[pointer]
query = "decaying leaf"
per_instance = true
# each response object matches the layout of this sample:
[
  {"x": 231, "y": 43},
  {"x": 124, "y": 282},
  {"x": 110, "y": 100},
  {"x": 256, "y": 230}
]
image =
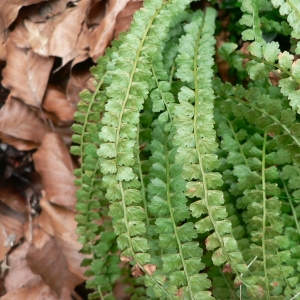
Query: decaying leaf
[
  {"x": 26, "y": 74},
  {"x": 55, "y": 102},
  {"x": 64, "y": 229},
  {"x": 53, "y": 162},
  {"x": 43, "y": 254},
  {"x": 37, "y": 292},
  {"x": 125, "y": 16},
  {"x": 59, "y": 36},
  {"x": 150, "y": 268},
  {"x": 20, "y": 122},
  {"x": 20, "y": 275},
  {"x": 100, "y": 38}
]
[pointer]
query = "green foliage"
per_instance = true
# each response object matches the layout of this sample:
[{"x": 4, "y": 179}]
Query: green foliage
[{"x": 191, "y": 182}]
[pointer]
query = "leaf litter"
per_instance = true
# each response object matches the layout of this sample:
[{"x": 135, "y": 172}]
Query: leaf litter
[{"x": 46, "y": 51}]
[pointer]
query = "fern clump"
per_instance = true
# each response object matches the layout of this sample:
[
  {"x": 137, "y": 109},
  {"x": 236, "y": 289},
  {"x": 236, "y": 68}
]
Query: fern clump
[{"x": 191, "y": 183}]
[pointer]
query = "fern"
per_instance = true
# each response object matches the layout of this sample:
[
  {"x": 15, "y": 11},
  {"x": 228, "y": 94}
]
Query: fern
[{"x": 191, "y": 182}]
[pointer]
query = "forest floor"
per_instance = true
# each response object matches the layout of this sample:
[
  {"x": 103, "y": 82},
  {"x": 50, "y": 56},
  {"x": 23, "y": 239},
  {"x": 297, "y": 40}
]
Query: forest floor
[{"x": 46, "y": 51}]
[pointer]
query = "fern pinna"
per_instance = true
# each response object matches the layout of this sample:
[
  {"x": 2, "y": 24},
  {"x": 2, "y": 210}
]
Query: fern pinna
[{"x": 189, "y": 186}]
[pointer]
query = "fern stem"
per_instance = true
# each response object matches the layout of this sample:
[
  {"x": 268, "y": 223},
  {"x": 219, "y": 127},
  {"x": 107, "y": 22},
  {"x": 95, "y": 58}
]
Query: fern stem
[
  {"x": 240, "y": 146},
  {"x": 263, "y": 171},
  {"x": 173, "y": 69},
  {"x": 291, "y": 205},
  {"x": 197, "y": 108},
  {"x": 263, "y": 113},
  {"x": 174, "y": 222},
  {"x": 138, "y": 54},
  {"x": 274, "y": 65},
  {"x": 161, "y": 93},
  {"x": 142, "y": 182}
]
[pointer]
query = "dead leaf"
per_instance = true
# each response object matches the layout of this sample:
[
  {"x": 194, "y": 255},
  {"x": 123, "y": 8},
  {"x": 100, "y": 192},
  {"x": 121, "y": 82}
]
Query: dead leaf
[
  {"x": 55, "y": 102},
  {"x": 43, "y": 254},
  {"x": 26, "y": 74},
  {"x": 20, "y": 274},
  {"x": 96, "y": 13},
  {"x": 46, "y": 10},
  {"x": 3, "y": 236},
  {"x": 22, "y": 124},
  {"x": 37, "y": 292},
  {"x": 9, "y": 10},
  {"x": 59, "y": 36},
  {"x": 102, "y": 35},
  {"x": 125, "y": 17},
  {"x": 64, "y": 228},
  {"x": 53, "y": 162},
  {"x": 136, "y": 271},
  {"x": 126, "y": 259},
  {"x": 14, "y": 230},
  {"x": 227, "y": 268},
  {"x": 80, "y": 74},
  {"x": 275, "y": 77},
  {"x": 150, "y": 268}
]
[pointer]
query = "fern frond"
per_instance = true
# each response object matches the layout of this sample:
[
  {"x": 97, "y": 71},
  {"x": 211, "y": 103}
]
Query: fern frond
[
  {"x": 91, "y": 203},
  {"x": 291, "y": 8},
  {"x": 119, "y": 149},
  {"x": 181, "y": 256},
  {"x": 195, "y": 138}
]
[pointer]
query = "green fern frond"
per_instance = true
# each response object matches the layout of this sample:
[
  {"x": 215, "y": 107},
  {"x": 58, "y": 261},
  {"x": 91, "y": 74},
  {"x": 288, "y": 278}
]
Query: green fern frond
[{"x": 195, "y": 138}]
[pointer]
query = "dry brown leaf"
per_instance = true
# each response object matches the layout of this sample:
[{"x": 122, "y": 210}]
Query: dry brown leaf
[
  {"x": 96, "y": 13},
  {"x": 55, "y": 102},
  {"x": 3, "y": 247},
  {"x": 26, "y": 74},
  {"x": 136, "y": 271},
  {"x": 125, "y": 17},
  {"x": 80, "y": 74},
  {"x": 64, "y": 227},
  {"x": 20, "y": 274},
  {"x": 150, "y": 268},
  {"x": 9, "y": 10},
  {"x": 46, "y": 10},
  {"x": 37, "y": 292},
  {"x": 102, "y": 35},
  {"x": 14, "y": 230},
  {"x": 44, "y": 221},
  {"x": 59, "y": 36},
  {"x": 17, "y": 143},
  {"x": 21, "y": 123},
  {"x": 53, "y": 162},
  {"x": 45, "y": 258}
]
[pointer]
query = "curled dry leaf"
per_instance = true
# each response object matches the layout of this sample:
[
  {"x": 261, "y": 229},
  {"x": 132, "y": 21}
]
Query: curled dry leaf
[
  {"x": 55, "y": 102},
  {"x": 13, "y": 233},
  {"x": 102, "y": 35},
  {"x": 9, "y": 11},
  {"x": 46, "y": 10},
  {"x": 3, "y": 247},
  {"x": 45, "y": 258},
  {"x": 150, "y": 268},
  {"x": 20, "y": 275},
  {"x": 53, "y": 162},
  {"x": 59, "y": 36},
  {"x": 26, "y": 74},
  {"x": 136, "y": 271},
  {"x": 64, "y": 228},
  {"x": 37, "y": 292},
  {"x": 125, "y": 17},
  {"x": 20, "y": 126}
]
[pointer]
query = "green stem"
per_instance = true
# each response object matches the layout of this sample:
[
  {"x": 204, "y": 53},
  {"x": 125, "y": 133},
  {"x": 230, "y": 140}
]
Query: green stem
[
  {"x": 264, "y": 113},
  {"x": 291, "y": 205},
  {"x": 240, "y": 146},
  {"x": 263, "y": 175},
  {"x": 171, "y": 209}
]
